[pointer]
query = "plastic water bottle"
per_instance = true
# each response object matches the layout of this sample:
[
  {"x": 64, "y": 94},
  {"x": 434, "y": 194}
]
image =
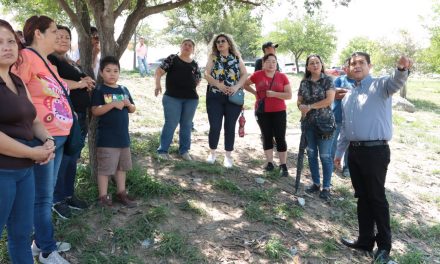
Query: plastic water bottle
[{"x": 241, "y": 122}]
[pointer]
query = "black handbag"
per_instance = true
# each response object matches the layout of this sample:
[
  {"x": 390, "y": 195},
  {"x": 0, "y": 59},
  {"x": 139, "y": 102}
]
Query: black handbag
[
  {"x": 74, "y": 142},
  {"x": 261, "y": 102},
  {"x": 325, "y": 126}
]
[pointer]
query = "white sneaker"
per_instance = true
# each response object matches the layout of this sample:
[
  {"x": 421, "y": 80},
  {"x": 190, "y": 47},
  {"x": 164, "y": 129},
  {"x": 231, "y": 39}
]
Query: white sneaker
[
  {"x": 228, "y": 162},
  {"x": 186, "y": 156},
  {"x": 211, "y": 158},
  {"x": 61, "y": 247},
  {"x": 53, "y": 258}
]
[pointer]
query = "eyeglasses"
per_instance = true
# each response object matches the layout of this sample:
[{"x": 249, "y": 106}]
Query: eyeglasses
[{"x": 220, "y": 41}]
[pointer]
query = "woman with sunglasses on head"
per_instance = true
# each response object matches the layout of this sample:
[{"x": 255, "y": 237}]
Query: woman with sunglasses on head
[
  {"x": 46, "y": 90},
  {"x": 18, "y": 153},
  {"x": 79, "y": 85},
  {"x": 315, "y": 96},
  {"x": 226, "y": 74}
]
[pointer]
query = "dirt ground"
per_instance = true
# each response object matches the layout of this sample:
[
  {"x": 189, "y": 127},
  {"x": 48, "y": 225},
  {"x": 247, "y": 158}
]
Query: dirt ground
[{"x": 226, "y": 234}]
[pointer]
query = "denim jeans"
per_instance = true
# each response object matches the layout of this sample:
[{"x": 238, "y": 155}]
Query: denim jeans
[
  {"x": 316, "y": 144},
  {"x": 344, "y": 161},
  {"x": 66, "y": 175},
  {"x": 218, "y": 106},
  {"x": 45, "y": 180},
  {"x": 17, "y": 193},
  {"x": 142, "y": 64},
  {"x": 177, "y": 111}
]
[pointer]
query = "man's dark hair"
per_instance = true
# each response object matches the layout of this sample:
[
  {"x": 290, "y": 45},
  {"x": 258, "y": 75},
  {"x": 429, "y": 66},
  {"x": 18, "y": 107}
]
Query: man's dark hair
[
  {"x": 269, "y": 55},
  {"x": 66, "y": 29},
  {"x": 108, "y": 60},
  {"x": 363, "y": 54}
]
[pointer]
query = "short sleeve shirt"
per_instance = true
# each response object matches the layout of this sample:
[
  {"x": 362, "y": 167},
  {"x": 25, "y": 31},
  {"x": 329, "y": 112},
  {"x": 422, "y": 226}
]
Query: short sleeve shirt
[
  {"x": 262, "y": 84},
  {"x": 313, "y": 92},
  {"x": 70, "y": 71},
  {"x": 47, "y": 95},
  {"x": 227, "y": 69},
  {"x": 182, "y": 77},
  {"x": 112, "y": 126}
]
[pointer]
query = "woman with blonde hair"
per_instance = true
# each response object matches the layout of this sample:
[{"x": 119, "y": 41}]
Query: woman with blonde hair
[{"x": 226, "y": 74}]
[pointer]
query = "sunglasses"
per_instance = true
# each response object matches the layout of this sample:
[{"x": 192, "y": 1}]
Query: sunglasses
[{"x": 220, "y": 41}]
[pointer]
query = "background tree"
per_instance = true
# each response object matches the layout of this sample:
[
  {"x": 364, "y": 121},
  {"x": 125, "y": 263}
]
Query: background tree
[
  {"x": 358, "y": 44},
  {"x": 196, "y": 23},
  {"x": 308, "y": 35}
]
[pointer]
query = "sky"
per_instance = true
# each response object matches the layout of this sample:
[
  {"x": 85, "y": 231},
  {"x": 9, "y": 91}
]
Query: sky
[{"x": 375, "y": 19}]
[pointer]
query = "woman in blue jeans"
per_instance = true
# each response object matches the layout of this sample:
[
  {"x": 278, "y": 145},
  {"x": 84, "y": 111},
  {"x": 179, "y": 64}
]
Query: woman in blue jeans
[
  {"x": 79, "y": 85},
  {"x": 18, "y": 151},
  {"x": 180, "y": 99},
  {"x": 225, "y": 73},
  {"x": 315, "y": 96},
  {"x": 40, "y": 33}
]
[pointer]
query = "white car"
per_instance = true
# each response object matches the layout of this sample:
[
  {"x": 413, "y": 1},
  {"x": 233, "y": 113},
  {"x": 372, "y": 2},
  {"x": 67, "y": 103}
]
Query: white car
[
  {"x": 290, "y": 67},
  {"x": 250, "y": 66}
]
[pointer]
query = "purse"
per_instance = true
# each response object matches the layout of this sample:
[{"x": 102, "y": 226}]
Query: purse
[
  {"x": 325, "y": 126},
  {"x": 237, "y": 98},
  {"x": 74, "y": 142},
  {"x": 261, "y": 102}
]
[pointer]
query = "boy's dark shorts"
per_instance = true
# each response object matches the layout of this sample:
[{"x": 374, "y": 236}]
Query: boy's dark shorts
[{"x": 111, "y": 160}]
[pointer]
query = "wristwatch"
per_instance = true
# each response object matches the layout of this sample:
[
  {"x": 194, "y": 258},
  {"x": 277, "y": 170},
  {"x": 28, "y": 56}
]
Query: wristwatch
[
  {"x": 401, "y": 68},
  {"x": 50, "y": 138}
]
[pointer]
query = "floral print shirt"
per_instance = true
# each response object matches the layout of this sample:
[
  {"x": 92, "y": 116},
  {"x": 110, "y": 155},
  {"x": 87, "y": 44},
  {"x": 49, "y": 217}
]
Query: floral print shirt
[
  {"x": 227, "y": 69},
  {"x": 313, "y": 92}
]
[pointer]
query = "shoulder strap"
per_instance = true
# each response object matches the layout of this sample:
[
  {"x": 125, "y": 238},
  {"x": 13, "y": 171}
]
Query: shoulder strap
[
  {"x": 273, "y": 78},
  {"x": 54, "y": 76}
]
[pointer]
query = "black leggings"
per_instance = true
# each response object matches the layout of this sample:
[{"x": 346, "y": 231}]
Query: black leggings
[{"x": 273, "y": 124}]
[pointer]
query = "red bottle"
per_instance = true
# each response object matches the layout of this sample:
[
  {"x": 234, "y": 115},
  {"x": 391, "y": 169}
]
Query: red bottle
[{"x": 241, "y": 122}]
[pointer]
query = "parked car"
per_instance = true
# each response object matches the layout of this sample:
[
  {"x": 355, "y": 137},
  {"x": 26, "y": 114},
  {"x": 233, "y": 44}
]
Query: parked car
[
  {"x": 290, "y": 67},
  {"x": 152, "y": 66},
  {"x": 250, "y": 66}
]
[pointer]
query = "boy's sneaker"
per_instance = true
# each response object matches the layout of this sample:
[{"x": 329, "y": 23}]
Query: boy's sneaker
[
  {"x": 53, "y": 258},
  {"x": 313, "y": 188},
  {"x": 75, "y": 203},
  {"x": 62, "y": 210},
  {"x": 105, "y": 201},
  {"x": 61, "y": 247},
  {"x": 269, "y": 167},
  {"x": 126, "y": 200}
]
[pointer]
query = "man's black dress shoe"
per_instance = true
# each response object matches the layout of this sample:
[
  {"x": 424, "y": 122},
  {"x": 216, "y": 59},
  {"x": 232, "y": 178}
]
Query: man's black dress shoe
[
  {"x": 381, "y": 256},
  {"x": 356, "y": 245}
]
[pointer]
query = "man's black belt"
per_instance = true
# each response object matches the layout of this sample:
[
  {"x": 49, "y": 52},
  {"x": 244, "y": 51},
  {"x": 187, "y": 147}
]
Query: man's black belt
[{"x": 369, "y": 143}]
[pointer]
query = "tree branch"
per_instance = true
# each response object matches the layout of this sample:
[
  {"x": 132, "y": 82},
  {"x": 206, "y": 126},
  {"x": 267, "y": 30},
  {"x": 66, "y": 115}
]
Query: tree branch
[
  {"x": 141, "y": 11},
  {"x": 121, "y": 8},
  {"x": 72, "y": 15},
  {"x": 247, "y": 2}
]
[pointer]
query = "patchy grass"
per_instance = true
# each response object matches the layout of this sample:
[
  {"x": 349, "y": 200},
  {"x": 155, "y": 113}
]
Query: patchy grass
[
  {"x": 4, "y": 257},
  {"x": 141, "y": 184},
  {"x": 275, "y": 249},
  {"x": 203, "y": 167},
  {"x": 289, "y": 210},
  {"x": 413, "y": 256},
  {"x": 255, "y": 212},
  {"x": 227, "y": 185},
  {"x": 259, "y": 195},
  {"x": 173, "y": 244},
  {"x": 328, "y": 246},
  {"x": 192, "y": 207}
]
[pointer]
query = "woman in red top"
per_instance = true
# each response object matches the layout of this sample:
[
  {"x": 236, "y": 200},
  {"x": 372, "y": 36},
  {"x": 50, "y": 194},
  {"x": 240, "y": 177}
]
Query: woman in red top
[{"x": 273, "y": 87}]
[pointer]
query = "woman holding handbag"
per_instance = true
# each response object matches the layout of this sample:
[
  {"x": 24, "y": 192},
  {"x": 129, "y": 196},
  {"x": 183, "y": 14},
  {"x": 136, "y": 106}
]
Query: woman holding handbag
[
  {"x": 272, "y": 88},
  {"x": 315, "y": 96},
  {"x": 79, "y": 85},
  {"x": 46, "y": 90},
  {"x": 226, "y": 74}
]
